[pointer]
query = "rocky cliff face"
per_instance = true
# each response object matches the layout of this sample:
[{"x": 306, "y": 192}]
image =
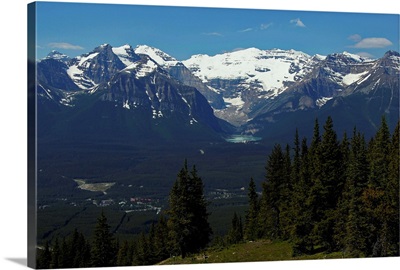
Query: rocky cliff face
[
  {"x": 180, "y": 72},
  {"x": 95, "y": 67},
  {"x": 110, "y": 83},
  {"x": 53, "y": 72}
]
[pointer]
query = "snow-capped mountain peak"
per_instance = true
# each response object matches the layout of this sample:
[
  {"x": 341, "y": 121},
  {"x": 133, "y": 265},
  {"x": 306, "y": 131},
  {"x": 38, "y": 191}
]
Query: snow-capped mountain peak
[
  {"x": 268, "y": 68},
  {"x": 355, "y": 57},
  {"x": 248, "y": 76},
  {"x": 97, "y": 66},
  {"x": 126, "y": 54},
  {"x": 160, "y": 57},
  {"x": 56, "y": 55},
  {"x": 239, "y": 85}
]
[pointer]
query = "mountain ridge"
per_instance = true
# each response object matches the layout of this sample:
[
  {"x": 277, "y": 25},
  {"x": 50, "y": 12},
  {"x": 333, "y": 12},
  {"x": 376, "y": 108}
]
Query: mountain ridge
[{"x": 241, "y": 87}]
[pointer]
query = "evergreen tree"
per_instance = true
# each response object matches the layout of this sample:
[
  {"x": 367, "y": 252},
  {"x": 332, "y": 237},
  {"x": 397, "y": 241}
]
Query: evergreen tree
[
  {"x": 302, "y": 212},
  {"x": 104, "y": 251},
  {"x": 272, "y": 196},
  {"x": 351, "y": 226},
  {"x": 161, "y": 239},
  {"x": 327, "y": 186},
  {"x": 141, "y": 256},
  {"x": 188, "y": 216},
  {"x": 316, "y": 137},
  {"x": 345, "y": 156},
  {"x": 295, "y": 171},
  {"x": 78, "y": 251},
  {"x": 286, "y": 212},
  {"x": 64, "y": 257},
  {"x": 235, "y": 234},
  {"x": 151, "y": 251},
  {"x": 251, "y": 229},
  {"x": 294, "y": 180},
  {"x": 74, "y": 249},
  {"x": 124, "y": 256},
  {"x": 375, "y": 199},
  {"x": 379, "y": 156},
  {"x": 198, "y": 206}
]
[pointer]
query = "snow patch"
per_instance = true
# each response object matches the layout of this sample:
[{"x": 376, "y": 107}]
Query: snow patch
[
  {"x": 233, "y": 101},
  {"x": 157, "y": 114},
  {"x": 269, "y": 69},
  {"x": 366, "y": 78},
  {"x": 396, "y": 61},
  {"x": 126, "y": 105},
  {"x": 322, "y": 101},
  {"x": 352, "y": 78},
  {"x": 141, "y": 69},
  {"x": 75, "y": 72}
]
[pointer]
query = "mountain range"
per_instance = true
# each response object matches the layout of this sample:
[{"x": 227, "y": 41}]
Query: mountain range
[{"x": 129, "y": 94}]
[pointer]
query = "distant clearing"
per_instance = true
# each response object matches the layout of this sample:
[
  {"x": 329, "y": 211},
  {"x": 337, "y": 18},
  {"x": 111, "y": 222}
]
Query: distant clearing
[{"x": 95, "y": 187}]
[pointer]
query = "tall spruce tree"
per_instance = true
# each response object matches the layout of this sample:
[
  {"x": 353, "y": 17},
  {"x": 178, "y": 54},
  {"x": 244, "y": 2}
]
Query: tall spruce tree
[
  {"x": 374, "y": 196},
  {"x": 295, "y": 171},
  {"x": 327, "y": 186},
  {"x": 188, "y": 216},
  {"x": 141, "y": 252},
  {"x": 351, "y": 226},
  {"x": 315, "y": 187},
  {"x": 64, "y": 257},
  {"x": 161, "y": 239},
  {"x": 198, "y": 206},
  {"x": 273, "y": 189},
  {"x": 104, "y": 250},
  {"x": 302, "y": 213},
  {"x": 294, "y": 180},
  {"x": 251, "y": 229},
  {"x": 124, "y": 256},
  {"x": 286, "y": 213}
]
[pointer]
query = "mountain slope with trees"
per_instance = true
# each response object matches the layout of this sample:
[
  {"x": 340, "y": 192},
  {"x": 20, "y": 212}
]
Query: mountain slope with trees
[{"x": 336, "y": 197}]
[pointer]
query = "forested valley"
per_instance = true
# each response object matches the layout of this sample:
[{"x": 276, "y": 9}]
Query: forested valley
[{"x": 328, "y": 194}]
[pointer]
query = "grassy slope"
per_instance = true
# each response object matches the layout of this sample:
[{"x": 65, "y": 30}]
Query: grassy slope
[{"x": 261, "y": 250}]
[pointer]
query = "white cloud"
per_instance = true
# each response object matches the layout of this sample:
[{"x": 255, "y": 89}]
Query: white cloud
[
  {"x": 246, "y": 30},
  {"x": 298, "y": 22},
  {"x": 368, "y": 43},
  {"x": 213, "y": 34},
  {"x": 355, "y": 38},
  {"x": 65, "y": 46}
]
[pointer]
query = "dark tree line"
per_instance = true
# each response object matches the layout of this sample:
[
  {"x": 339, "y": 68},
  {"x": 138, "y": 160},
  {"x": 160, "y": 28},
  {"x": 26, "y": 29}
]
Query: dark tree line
[
  {"x": 331, "y": 195},
  {"x": 183, "y": 230}
]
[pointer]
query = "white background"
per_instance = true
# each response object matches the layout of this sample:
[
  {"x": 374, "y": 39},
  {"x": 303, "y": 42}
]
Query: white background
[{"x": 13, "y": 122}]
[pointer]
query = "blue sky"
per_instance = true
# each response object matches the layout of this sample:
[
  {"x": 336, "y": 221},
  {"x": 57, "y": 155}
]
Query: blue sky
[{"x": 75, "y": 29}]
